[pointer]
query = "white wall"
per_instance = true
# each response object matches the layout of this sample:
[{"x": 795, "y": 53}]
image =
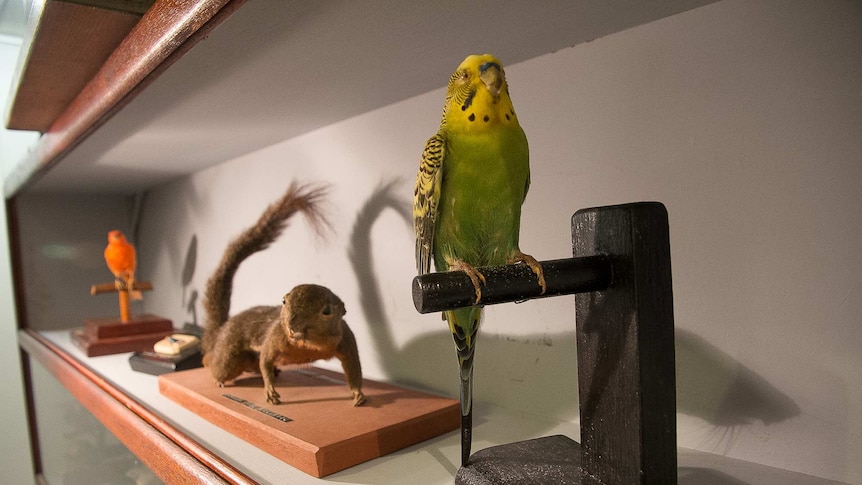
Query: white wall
[
  {"x": 15, "y": 145},
  {"x": 742, "y": 117},
  {"x": 15, "y": 460},
  {"x": 65, "y": 237}
]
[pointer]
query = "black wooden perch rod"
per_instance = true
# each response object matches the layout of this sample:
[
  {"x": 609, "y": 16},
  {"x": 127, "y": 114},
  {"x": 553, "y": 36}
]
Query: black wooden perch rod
[{"x": 434, "y": 292}]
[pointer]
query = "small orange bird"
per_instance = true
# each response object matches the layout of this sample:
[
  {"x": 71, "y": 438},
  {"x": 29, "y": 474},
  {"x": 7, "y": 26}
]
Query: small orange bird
[{"x": 121, "y": 259}]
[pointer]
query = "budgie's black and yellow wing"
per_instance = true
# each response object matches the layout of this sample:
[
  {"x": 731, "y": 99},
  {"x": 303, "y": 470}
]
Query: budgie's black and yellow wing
[{"x": 426, "y": 196}]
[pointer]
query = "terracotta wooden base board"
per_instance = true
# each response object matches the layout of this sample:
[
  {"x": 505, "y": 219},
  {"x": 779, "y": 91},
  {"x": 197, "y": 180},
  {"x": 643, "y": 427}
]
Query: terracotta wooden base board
[
  {"x": 106, "y": 336},
  {"x": 316, "y": 428}
]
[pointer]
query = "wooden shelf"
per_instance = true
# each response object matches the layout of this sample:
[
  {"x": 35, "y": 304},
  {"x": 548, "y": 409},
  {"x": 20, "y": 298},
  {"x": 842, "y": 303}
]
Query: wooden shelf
[
  {"x": 160, "y": 445},
  {"x": 131, "y": 406},
  {"x": 182, "y": 447},
  {"x": 68, "y": 45},
  {"x": 162, "y": 35}
]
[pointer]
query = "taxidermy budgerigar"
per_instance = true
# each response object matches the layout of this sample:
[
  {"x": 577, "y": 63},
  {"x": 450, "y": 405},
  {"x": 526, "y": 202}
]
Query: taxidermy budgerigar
[{"x": 473, "y": 178}]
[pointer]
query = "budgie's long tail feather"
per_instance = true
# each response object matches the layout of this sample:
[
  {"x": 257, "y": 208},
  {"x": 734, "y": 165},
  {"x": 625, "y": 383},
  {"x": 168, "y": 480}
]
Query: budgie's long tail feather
[{"x": 464, "y": 324}]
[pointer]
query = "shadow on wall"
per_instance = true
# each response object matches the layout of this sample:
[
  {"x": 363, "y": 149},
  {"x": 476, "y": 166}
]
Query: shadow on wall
[
  {"x": 508, "y": 369},
  {"x": 519, "y": 371},
  {"x": 713, "y": 386},
  {"x": 705, "y": 476},
  {"x": 189, "y": 266}
]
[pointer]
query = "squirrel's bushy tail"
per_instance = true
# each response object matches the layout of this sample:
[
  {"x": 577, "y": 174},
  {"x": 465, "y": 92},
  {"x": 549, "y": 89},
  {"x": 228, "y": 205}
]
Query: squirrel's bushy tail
[{"x": 298, "y": 198}]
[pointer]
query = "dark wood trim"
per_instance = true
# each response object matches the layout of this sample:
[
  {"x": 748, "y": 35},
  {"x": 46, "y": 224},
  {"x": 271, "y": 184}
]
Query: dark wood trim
[
  {"x": 169, "y": 452},
  {"x": 32, "y": 426},
  {"x": 163, "y": 35},
  {"x": 138, "y": 7},
  {"x": 16, "y": 263},
  {"x": 13, "y": 230},
  {"x": 67, "y": 47}
]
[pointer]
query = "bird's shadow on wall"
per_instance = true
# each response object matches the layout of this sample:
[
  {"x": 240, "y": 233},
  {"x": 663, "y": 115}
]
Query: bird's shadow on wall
[
  {"x": 539, "y": 371},
  {"x": 715, "y": 387},
  {"x": 705, "y": 476},
  {"x": 428, "y": 361},
  {"x": 190, "y": 295}
]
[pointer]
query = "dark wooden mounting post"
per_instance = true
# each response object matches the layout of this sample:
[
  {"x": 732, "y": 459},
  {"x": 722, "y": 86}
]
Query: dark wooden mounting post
[
  {"x": 621, "y": 275},
  {"x": 626, "y": 370}
]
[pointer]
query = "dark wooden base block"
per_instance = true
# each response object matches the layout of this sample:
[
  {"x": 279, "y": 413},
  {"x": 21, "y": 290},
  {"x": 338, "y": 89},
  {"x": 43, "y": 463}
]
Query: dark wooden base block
[
  {"x": 158, "y": 364},
  {"x": 105, "y": 336},
  {"x": 552, "y": 459},
  {"x": 100, "y": 328}
]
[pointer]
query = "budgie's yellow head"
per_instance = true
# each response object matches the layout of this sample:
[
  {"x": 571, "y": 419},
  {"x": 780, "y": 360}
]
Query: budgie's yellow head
[{"x": 478, "y": 96}]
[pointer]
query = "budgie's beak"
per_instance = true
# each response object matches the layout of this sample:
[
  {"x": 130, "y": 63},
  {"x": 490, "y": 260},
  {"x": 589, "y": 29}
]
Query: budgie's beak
[{"x": 492, "y": 75}]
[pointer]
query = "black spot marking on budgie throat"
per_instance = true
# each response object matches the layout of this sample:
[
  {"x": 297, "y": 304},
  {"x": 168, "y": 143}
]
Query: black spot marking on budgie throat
[
  {"x": 486, "y": 118},
  {"x": 468, "y": 100},
  {"x": 472, "y": 117}
]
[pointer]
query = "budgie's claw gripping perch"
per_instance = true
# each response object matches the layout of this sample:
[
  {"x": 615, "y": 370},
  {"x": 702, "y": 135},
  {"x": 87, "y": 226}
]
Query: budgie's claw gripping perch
[
  {"x": 474, "y": 275},
  {"x": 534, "y": 265}
]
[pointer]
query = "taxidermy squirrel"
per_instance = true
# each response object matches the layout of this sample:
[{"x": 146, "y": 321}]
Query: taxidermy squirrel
[{"x": 308, "y": 326}]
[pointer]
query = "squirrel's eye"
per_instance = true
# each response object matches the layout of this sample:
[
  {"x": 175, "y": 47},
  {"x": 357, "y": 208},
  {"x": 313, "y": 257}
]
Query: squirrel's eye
[
  {"x": 327, "y": 310},
  {"x": 283, "y": 300}
]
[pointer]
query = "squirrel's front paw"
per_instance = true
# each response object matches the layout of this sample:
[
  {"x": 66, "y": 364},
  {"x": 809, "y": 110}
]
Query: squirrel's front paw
[
  {"x": 272, "y": 396},
  {"x": 358, "y": 398}
]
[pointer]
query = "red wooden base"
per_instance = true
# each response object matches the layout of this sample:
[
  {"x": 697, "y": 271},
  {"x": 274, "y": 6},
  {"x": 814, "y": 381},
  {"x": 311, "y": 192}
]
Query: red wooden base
[
  {"x": 316, "y": 428},
  {"x": 106, "y": 336}
]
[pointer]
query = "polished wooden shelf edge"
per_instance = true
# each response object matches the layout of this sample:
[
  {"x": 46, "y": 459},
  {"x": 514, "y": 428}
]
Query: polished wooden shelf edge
[
  {"x": 169, "y": 452},
  {"x": 166, "y": 32},
  {"x": 65, "y": 48}
]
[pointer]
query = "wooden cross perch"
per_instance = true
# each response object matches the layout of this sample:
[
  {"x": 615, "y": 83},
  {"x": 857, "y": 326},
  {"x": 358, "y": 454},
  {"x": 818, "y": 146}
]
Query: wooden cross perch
[{"x": 119, "y": 286}]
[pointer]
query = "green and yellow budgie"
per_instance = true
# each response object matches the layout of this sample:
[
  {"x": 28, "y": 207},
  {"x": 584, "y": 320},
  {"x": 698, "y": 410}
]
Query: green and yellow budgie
[{"x": 473, "y": 178}]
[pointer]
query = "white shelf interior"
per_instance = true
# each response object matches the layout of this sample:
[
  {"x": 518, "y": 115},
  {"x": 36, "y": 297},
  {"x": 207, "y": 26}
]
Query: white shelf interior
[{"x": 435, "y": 461}]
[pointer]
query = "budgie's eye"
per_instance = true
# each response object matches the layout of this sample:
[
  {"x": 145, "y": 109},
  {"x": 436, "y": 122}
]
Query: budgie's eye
[{"x": 464, "y": 75}]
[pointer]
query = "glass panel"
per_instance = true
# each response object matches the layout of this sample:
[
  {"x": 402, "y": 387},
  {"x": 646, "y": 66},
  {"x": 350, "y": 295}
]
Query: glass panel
[{"x": 76, "y": 448}]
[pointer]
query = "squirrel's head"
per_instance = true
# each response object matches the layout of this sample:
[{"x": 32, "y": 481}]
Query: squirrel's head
[{"x": 311, "y": 312}]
